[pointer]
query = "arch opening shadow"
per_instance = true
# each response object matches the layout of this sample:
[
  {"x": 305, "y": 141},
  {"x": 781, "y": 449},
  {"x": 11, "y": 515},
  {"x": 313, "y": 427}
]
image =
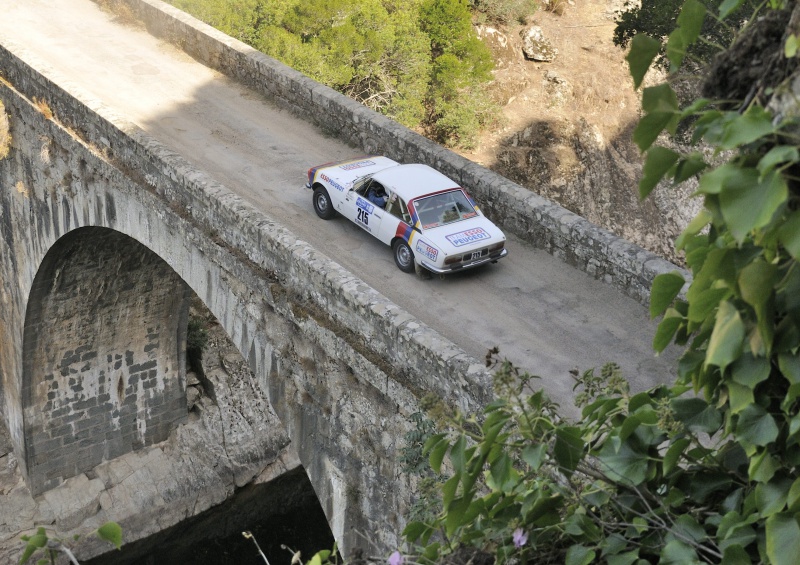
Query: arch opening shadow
[{"x": 103, "y": 355}]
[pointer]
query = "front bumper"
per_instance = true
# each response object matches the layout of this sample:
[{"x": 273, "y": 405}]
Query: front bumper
[{"x": 461, "y": 266}]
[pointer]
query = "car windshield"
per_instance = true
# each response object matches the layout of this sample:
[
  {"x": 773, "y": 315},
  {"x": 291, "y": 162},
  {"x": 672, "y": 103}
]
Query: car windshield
[{"x": 443, "y": 208}]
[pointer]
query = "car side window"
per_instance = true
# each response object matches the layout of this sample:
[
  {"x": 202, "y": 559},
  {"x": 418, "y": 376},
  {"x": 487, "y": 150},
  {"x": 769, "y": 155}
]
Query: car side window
[
  {"x": 397, "y": 207},
  {"x": 360, "y": 185}
]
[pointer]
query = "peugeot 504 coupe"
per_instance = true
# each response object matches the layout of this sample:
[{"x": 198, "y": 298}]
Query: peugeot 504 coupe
[{"x": 426, "y": 217}]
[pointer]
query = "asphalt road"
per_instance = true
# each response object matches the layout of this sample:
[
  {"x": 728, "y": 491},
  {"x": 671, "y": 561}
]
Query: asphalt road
[{"x": 545, "y": 316}]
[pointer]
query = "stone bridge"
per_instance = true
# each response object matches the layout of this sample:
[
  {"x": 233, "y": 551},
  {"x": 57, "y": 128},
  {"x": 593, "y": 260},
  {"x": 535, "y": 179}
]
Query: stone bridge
[{"x": 106, "y": 234}]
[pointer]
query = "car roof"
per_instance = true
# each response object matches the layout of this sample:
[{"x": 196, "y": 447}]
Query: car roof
[{"x": 412, "y": 181}]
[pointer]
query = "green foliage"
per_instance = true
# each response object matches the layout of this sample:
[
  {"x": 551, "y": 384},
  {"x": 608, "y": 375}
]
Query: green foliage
[
  {"x": 196, "y": 335},
  {"x": 504, "y": 11},
  {"x": 660, "y": 18},
  {"x": 49, "y": 548},
  {"x": 417, "y": 61},
  {"x": 704, "y": 470}
]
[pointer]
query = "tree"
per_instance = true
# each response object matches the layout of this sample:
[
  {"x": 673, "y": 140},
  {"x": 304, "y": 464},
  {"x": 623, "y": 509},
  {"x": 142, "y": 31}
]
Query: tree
[{"x": 383, "y": 53}]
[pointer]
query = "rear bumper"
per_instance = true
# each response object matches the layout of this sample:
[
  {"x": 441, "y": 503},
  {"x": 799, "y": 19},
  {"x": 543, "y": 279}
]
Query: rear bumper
[{"x": 443, "y": 271}]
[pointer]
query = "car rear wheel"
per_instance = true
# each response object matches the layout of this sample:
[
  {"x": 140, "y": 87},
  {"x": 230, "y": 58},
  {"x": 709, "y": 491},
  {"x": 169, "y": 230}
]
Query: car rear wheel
[
  {"x": 322, "y": 204},
  {"x": 403, "y": 256}
]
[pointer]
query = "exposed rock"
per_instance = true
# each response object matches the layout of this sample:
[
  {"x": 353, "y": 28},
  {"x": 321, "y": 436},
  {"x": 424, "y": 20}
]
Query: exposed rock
[{"x": 536, "y": 46}]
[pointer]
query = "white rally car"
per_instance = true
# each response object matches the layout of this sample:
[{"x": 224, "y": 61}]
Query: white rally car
[{"x": 424, "y": 216}]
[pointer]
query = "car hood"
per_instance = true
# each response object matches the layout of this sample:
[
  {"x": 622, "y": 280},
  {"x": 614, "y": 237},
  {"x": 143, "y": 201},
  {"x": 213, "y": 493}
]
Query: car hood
[{"x": 464, "y": 235}]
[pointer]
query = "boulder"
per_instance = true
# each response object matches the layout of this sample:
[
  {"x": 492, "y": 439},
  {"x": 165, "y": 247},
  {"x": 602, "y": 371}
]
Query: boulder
[{"x": 536, "y": 46}]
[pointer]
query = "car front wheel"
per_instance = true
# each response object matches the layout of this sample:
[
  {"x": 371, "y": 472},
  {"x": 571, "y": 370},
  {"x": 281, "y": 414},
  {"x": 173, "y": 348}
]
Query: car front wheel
[
  {"x": 322, "y": 204},
  {"x": 403, "y": 256}
]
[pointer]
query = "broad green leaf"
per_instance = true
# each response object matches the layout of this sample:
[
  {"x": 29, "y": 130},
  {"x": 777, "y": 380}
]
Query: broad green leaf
[
  {"x": 534, "y": 455},
  {"x": 437, "y": 445},
  {"x": 771, "y": 497},
  {"x": 756, "y": 282},
  {"x": 643, "y": 50},
  {"x": 623, "y": 464},
  {"x": 790, "y": 47},
  {"x": 501, "y": 471},
  {"x": 748, "y": 204},
  {"x": 414, "y": 530},
  {"x": 658, "y": 161},
  {"x": 650, "y": 127},
  {"x": 660, "y": 99},
  {"x": 673, "y": 455},
  {"x": 756, "y": 426},
  {"x": 728, "y": 7},
  {"x": 783, "y": 539},
  {"x": 111, "y": 532},
  {"x": 449, "y": 489},
  {"x": 458, "y": 455},
  {"x": 739, "y": 397},
  {"x": 700, "y": 221},
  {"x": 790, "y": 367},
  {"x": 762, "y": 466},
  {"x": 793, "y": 499},
  {"x": 789, "y": 235},
  {"x": 569, "y": 448},
  {"x": 777, "y": 156},
  {"x": 725, "y": 345},
  {"x": 745, "y": 128},
  {"x": 713, "y": 181},
  {"x": 579, "y": 555},
  {"x": 690, "y": 20},
  {"x": 666, "y": 330},
  {"x": 749, "y": 370},
  {"x": 696, "y": 414},
  {"x": 688, "y": 528},
  {"x": 665, "y": 288},
  {"x": 689, "y": 167},
  {"x": 678, "y": 553},
  {"x": 706, "y": 302},
  {"x": 676, "y": 49},
  {"x": 456, "y": 514},
  {"x": 735, "y": 554}
]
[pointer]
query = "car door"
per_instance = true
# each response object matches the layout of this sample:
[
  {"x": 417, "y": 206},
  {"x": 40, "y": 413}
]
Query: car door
[
  {"x": 356, "y": 208},
  {"x": 396, "y": 213}
]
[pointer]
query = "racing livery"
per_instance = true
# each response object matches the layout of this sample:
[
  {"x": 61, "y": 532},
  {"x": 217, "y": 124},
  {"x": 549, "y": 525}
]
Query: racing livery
[{"x": 426, "y": 218}]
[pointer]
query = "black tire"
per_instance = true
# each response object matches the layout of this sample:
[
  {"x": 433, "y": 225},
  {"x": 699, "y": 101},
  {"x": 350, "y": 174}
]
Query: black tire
[
  {"x": 322, "y": 203},
  {"x": 403, "y": 256}
]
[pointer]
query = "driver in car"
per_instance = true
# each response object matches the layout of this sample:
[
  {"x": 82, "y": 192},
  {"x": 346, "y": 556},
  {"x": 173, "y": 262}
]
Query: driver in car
[{"x": 377, "y": 195}]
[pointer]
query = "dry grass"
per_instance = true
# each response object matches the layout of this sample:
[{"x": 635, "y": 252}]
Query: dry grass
[
  {"x": 120, "y": 9},
  {"x": 5, "y": 133},
  {"x": 43, "y": 107}
]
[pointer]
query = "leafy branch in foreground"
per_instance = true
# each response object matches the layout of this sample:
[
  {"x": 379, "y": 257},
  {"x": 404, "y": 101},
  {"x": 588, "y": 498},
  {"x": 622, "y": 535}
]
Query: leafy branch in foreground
[
  {"x": 49, "y": 547},
  {"x": 705, "y": 470}
]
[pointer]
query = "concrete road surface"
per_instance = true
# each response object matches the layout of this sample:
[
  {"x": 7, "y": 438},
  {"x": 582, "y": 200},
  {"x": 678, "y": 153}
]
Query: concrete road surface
[{"x": 546, "y": 316}]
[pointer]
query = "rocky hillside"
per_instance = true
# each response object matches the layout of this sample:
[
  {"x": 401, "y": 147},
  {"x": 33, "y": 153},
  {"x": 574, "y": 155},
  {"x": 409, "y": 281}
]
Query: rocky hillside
[{"x": 566, "y": 132}]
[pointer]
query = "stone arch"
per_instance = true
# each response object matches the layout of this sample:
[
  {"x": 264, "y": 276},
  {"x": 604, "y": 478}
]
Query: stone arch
[{"x": 103, "y": 354}]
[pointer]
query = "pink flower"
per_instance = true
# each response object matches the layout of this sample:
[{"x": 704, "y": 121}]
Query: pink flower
[
  {"x": 520, "y": 538},
  {"x": 396, "y": 558}
]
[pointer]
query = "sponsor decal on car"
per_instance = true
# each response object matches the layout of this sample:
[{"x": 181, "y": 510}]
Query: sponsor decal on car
[
  {"x": 332, "y": 182},
  {"x": 365, "y": 205},
  {"x": 427, "y": 250},
  {"x": 356, "y": 165},
  {"x": 468, "y": 236}
]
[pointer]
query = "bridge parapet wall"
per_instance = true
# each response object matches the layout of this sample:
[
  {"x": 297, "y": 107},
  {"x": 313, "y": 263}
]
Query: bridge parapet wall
[{"x": 562, "y": 233}]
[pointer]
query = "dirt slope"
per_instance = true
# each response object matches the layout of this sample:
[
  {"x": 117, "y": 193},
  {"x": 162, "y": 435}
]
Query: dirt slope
[{"x": 566, "y": 131}]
